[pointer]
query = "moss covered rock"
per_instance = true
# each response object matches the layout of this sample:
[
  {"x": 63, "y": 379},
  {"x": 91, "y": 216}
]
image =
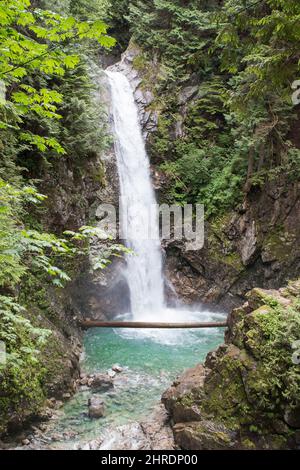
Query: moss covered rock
[
  {"x": 42, "y": 343},
  {"x": 247, "y": 395}
]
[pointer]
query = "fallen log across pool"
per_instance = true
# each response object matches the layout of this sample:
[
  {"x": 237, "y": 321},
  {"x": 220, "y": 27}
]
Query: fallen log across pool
[{"x": 140, "y": 324}]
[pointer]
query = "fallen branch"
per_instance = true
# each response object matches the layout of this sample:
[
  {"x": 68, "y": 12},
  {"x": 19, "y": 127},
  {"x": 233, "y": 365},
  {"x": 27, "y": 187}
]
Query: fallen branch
[{"x": 135, "y": 324}]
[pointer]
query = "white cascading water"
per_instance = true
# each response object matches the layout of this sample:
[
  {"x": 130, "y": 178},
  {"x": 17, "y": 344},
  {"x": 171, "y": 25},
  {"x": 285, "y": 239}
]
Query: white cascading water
[{"x": 144, "y": 268}]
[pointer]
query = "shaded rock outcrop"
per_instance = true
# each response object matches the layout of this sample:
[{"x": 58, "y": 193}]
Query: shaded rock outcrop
[
  {"x": 246, "y": 395},
  {"x": 256, "y": 245},
  {"x": 59, "y": 362},
  {"x": 75, "y": 198}
]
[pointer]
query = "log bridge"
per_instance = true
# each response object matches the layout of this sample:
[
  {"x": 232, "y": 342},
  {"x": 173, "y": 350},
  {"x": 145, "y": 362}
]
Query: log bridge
[{"x": 140, "y": 324}]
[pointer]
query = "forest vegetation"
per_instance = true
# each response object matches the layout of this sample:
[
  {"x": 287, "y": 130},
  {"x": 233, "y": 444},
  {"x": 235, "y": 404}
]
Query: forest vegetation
[{"x": 221, "y": 73}]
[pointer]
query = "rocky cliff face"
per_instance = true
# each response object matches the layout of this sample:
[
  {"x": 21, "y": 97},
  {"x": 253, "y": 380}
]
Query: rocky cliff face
[
  {"x": 99, "y": 294},
  {"x": 142, "y": 93},
  {"x": 246, "y": 395},
  {"x": 255, "y": 245}
]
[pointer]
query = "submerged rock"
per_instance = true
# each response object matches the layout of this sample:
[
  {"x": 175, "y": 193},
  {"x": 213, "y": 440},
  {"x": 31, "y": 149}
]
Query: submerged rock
[
  {"x": 111, "y": 373},
  {"x": 96, "y": 407},
  {"x": 126, "y": 437},
  {"x": 117, "y": 368},
  {"x": 101, "y": 383}
]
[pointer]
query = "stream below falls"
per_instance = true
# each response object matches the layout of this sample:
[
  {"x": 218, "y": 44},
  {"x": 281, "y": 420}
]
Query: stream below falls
[{"x": 151, "y": 359}]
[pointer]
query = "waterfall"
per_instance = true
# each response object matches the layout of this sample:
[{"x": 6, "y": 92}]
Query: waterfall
[{"x": 144, "y": 267}]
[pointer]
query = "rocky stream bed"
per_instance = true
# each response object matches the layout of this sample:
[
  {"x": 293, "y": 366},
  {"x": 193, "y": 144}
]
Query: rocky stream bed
[{"x": 117, "y": 405}]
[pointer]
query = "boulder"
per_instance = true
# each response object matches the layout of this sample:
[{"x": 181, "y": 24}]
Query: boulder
[
  {"x": 25, "y": 442},
  {"x": 101, "y": 383},
  {"x": 96, "y": 407},
  {"x": 179, "y": 400},
  {"x": 204, "y": 435},
  {"x": 292, "y": 417},
  {"x": 111, "y": 373}
]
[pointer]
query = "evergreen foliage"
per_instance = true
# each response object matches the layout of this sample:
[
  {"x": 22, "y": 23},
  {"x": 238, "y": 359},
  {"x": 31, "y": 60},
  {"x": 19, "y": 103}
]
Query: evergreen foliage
[
  {"x": 241, "y": 57},
  {"x": 47, "y": 111}
]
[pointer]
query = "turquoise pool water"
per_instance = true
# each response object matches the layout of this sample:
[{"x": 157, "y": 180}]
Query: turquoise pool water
[{"x": 151, "y": 359}]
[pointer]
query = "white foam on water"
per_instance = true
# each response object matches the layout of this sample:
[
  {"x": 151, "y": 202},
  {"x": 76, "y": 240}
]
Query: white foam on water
[{"x": 176, "y": 336}]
